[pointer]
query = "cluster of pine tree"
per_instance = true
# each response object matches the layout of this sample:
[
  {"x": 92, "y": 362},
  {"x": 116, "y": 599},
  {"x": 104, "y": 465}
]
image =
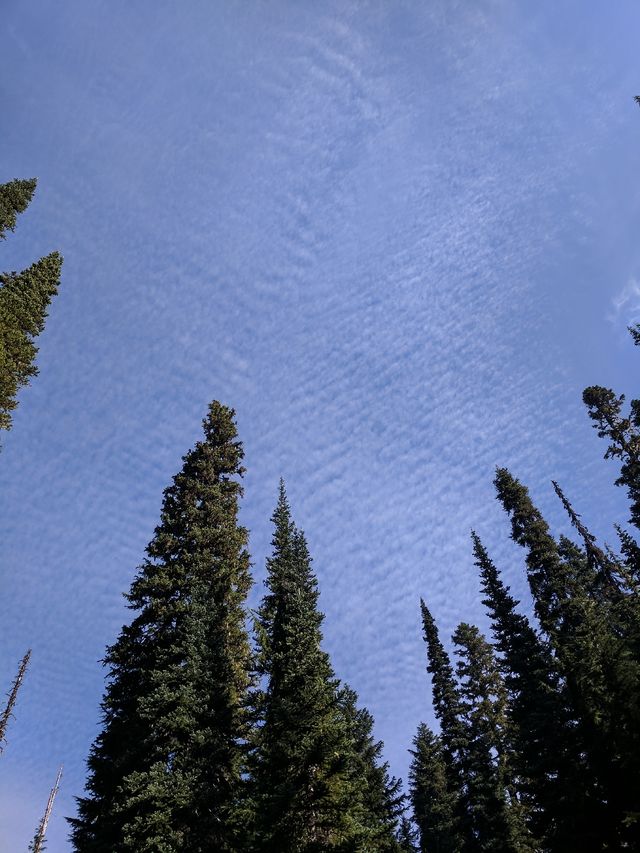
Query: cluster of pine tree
[
  {"x": 539, "y": 740},
  {"x": 211, "y": 742}
]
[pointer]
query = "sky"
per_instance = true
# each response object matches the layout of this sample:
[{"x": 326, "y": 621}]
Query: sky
[{"x": 399, "y": 238}]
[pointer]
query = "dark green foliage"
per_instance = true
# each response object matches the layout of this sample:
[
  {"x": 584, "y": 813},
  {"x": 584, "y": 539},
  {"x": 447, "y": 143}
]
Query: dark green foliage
[
  {"x": 446, "y": 704},
  {"x": 623, "y": 434},
  {"x": 24, "y": 301},
  {"x": 497, "y": 822},
  {"x": 407, "y": 836},
  {"x": 14, "y": 199},
  {"x": 306, "y": 797},
  {"x": 545, "y": 761},
  {"x": 165, "y": 772},
  {"x": 434, "y": 804},
  {"x": 378, "y": 793}
]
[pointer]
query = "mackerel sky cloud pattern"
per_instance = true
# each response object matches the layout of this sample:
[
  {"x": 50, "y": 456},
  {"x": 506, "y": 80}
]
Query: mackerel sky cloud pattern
[{"x": 389, "y": 234}]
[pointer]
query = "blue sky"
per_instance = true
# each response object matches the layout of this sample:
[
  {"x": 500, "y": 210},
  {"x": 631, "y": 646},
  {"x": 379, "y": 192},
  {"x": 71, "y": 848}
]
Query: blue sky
[{"x": 399, "y": 238}]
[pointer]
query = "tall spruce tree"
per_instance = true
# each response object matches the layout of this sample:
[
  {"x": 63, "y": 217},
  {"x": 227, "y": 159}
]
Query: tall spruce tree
[
  {"x": 24, "y": 301},
  {"x": 165, "y": 772},
  {"x": 622, "y": 431},
  {"x": 379, "y": 793},
  {"x": 446, "y": 704},
  {"x": 305, "y": 796},
  {"x": 546, "y": 760},
  {"x": 496, "y": 816},
  {"x": 434, "y": 804}
]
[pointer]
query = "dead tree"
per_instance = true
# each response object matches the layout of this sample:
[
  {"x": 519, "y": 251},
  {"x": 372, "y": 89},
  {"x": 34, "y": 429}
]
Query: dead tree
[
  {"x": 13, "y": 695},
  {"x": 37, "y": 845}
]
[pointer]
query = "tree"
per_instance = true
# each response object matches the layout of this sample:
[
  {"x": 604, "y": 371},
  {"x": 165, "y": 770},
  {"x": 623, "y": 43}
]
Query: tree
[
  {"x": 446, "y": 704},
  {"x": 15, "y": 197},
  {"x": 379, "y": 793},
  {"x": 38, "y": 843},
  {"x": 305, "y": 796},
  {"x": 433, "y": 802},
  {"x": 546, "y": 760},
  {"x": 165, "y": 772},
  {"x": 495, "y": 814},
  {"x": 24, "y": 301},
  {"x": 12, "y": 698}
]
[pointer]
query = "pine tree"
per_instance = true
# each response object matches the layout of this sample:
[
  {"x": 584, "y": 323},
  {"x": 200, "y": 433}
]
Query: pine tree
[
  {"x": 495, "y": 814},
  {"x": 579, "y": 604},
  {"x": 24, "y": 301},
  {"x": 407, "y": 836},
  {"x": 379, "y": 793},
  {"x": 15, "y": 197},
  {"x": 304, "y": 792},
  {"x": 546, "y": 760},
  {"x": 12, "y": 698},
  {"x": 434, "y": 804},
  {"x": 446, "y": 704},
  {"x": 622, "y": 432},
  {"x": 165, "y": 772}
]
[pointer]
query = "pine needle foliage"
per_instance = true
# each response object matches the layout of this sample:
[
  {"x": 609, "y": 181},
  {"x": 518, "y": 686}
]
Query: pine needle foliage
[
  {"x": 24, "y": 301},
  {"x": 165, "y": 772},
  {"x": 306, "y": 798},
  {"x": 15, "y": 197}
]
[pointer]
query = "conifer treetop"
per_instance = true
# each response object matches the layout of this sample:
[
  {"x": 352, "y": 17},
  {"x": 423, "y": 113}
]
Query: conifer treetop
[{"x": 14, "y": 199}]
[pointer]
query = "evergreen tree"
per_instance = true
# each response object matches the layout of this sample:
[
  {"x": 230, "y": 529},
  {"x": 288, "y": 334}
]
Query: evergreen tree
[
  {"x": 548, "y": 779},
  {"x": 446, "y": 704},
  {"x": 24, "y": 300},
  {"x": 580, "y": 606},
  {"x": 622, "y": 431},
  {"x": 496, "y": 816},
  {"x": 165, "y": 772},
  {"x": 306, "y": 799},
  {"x": 407, "y": 836},
  {"x": 433, "y": 802},
  {"x": 379, "y": 794},
  {"x": 14, "y": 199}
]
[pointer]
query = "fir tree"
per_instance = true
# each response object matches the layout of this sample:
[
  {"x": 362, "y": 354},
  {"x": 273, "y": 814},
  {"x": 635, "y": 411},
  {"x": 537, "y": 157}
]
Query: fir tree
[
  {"x": 306, "y": 798},
  {"x": 407, "y": 836},
  {"x": 433, "y": 802},
  {"x": 165, "y": 772},
  {"x": 24, "y": 301},
  {"x": 382, "y": 803},
  {"x": 622, "y": 431},
  {"x": 579, "y": 605},
  {"x": 446, "y": 704},
  {"x": 495, "y": 814},
  {"x": 546, "y": 760},
  {"x": 14, "y": 199}
]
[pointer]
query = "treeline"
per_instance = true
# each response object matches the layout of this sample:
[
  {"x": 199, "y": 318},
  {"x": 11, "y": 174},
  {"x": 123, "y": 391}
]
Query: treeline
[
  {"x": 539, "y": 742},
  {"x": 213, "y": 742},
  {"x": 227, "y": 730}
]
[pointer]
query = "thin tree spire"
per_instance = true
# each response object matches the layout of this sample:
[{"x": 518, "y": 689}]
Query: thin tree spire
[
  {"x": 37, "y": 845},
  {"x": 12, "y": 696}
]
